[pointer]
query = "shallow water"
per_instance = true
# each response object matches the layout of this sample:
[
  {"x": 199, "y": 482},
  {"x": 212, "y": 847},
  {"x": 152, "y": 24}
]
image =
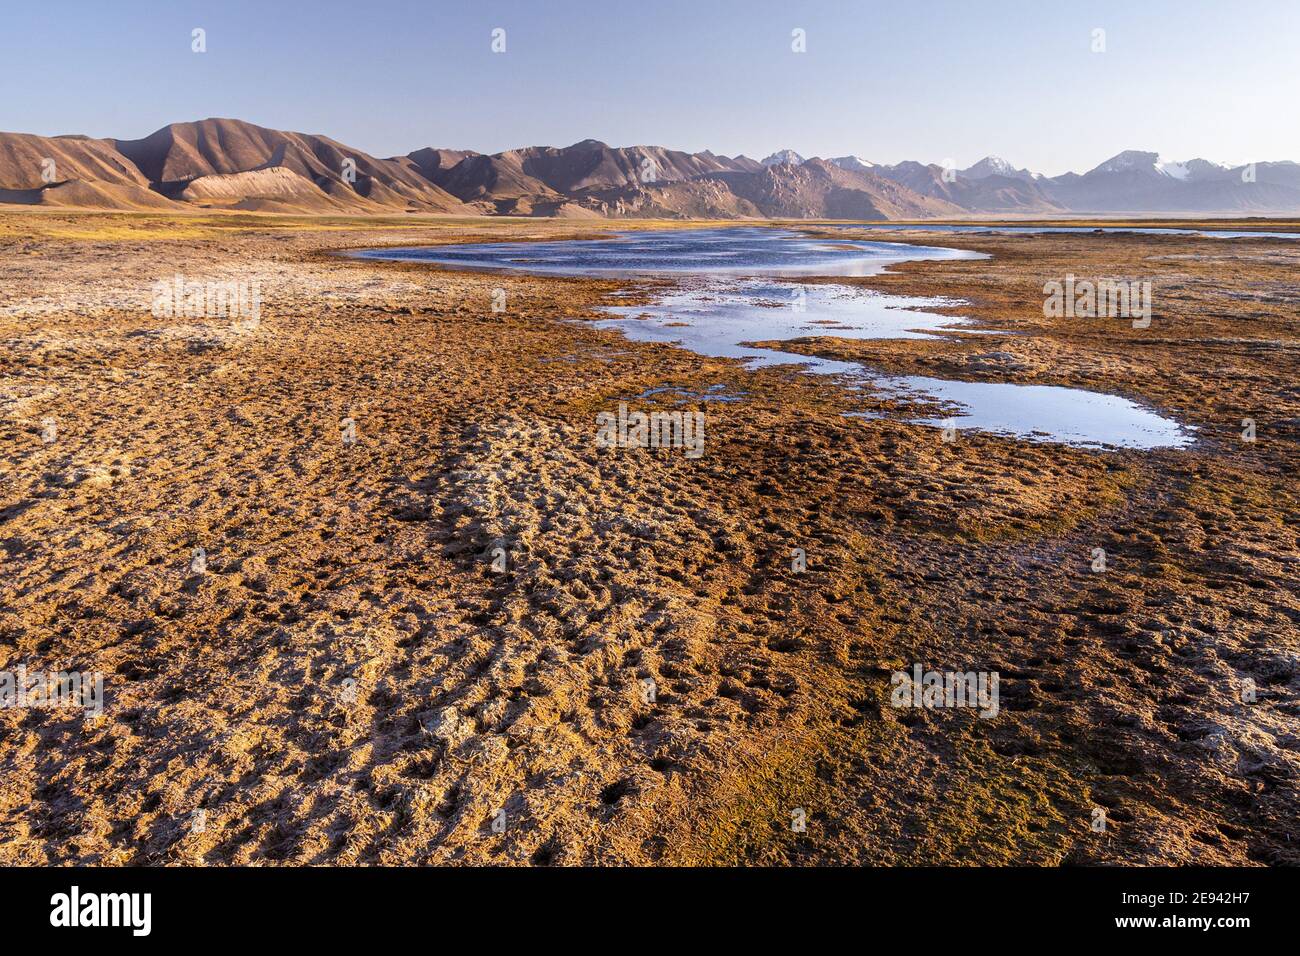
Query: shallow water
[
  {"x": 734, "y": 251},
  {"x": 735, "y": 298},
  {"x": 1034, "y": 230},
  {"x": 1068, "y": 416},
  {"x": 713, "y": 317}
]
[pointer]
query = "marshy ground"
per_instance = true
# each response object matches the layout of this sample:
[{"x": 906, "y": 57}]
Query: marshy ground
[{"x": 354, "y": 680}]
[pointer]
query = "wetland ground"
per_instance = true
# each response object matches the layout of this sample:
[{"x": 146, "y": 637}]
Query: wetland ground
[{"x": 354, "y": 679}]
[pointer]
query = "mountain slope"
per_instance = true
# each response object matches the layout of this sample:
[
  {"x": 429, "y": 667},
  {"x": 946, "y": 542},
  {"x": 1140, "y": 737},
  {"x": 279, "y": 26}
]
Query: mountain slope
[
  {"x": 854, "y": 164},
  {"x": 987, "y": 192},
  {"x": 23, "y": 157},
  {"x": 432, "y": 163},
  {"x": 593, "y": 164},
  {"x": 180, "y": 153},
  {"x": 819, "y": 189},
  {"x": 647, "y": 181},
  {"x": 996, "y": 166},
  {"x": 71, "y": 171}
]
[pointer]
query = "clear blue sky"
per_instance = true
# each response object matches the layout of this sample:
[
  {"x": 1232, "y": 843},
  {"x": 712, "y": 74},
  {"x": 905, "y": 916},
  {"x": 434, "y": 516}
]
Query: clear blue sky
[{"x": 929, "y": 80}]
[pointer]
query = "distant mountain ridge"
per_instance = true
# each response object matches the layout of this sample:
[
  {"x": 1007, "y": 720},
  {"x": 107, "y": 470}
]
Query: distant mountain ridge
[{"x": 231, "y": 164}]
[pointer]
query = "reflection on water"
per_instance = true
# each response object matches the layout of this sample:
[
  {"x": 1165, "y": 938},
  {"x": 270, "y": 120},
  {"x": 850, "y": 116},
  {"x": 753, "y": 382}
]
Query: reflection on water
[
  {"x": 734, "y": 251},
  {"x": 713, "y": 317},
  {"x": 1069, "y": 416}
]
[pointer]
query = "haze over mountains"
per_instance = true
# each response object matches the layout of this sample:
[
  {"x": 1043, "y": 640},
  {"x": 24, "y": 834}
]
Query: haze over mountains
[{"x": 230, "y": 164}]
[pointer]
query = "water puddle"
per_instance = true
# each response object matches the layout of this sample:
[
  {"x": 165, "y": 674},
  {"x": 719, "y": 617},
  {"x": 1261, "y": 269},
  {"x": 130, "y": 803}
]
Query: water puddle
[
  {"x": 734, "y": 297},
  {"x": 681, "y": 395},
  {"x": 1049, "y": 413}
]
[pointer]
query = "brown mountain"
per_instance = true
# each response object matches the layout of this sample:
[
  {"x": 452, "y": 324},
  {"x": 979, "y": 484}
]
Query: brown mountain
[
  {"x": 650, "y": 181},
  {"x": 817, "y": 190},
  {"x": 495, "y": 183},
  {"x": 591, "y": 164},
  {"x": 706, "y": 198},
  {"x": 71, "y": 171},
  {"x": 215, "y": 163},
  {"x": 432, "y": 163},
  {"x": 230, "y": 164},
  {"x": 539, "y": 179},
  {"x": 179, "y": 160}
]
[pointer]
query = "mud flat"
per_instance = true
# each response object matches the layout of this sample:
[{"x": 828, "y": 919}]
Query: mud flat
[{"x": 353, "y": 679}]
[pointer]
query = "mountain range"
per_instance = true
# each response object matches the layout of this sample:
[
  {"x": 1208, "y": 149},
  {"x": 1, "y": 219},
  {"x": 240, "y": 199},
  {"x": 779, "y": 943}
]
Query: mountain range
[{"x": 234, "y": 165}]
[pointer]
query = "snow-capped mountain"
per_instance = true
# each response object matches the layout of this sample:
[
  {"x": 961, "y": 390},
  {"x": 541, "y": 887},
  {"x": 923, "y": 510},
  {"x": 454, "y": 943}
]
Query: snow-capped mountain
[
  {"x": 1131, "y": 160},
  {"x": 854, "y": 164},
  {"x": 996, "y": 166},
  {"x": 1175, "y": 169},
  {"x": 784, "y": 156},
  {"x": 1139, "y": 161},
  {"x": 1141, "y": 181}
]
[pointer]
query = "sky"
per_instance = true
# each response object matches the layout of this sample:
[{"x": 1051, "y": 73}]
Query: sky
[{"x": 935, "y": 81}]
